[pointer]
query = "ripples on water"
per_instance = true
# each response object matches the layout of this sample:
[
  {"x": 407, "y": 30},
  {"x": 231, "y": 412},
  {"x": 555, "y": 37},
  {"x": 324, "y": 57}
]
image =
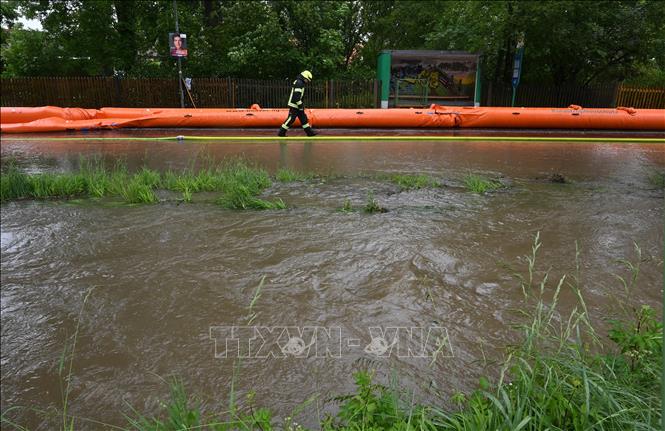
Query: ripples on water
[{"x": 163, "y": 274}]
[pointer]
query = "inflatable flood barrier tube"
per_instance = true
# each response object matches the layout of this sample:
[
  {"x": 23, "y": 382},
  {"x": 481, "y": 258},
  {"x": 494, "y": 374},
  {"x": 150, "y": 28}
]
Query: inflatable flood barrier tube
[{"x": 54, "y": 119}]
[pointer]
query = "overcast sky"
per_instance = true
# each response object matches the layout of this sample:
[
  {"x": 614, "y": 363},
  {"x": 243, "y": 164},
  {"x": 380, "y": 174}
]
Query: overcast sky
[{"x": 31, "y": 24}]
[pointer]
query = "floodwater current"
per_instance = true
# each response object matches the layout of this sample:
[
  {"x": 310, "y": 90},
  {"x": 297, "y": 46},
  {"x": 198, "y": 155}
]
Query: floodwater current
[{"x": 167, "y": 281}]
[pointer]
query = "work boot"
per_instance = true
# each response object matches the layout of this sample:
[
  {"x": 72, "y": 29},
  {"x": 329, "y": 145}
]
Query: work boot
[
  {"x": 282, "y": 132},
  {"x": 311, "y": 132}
]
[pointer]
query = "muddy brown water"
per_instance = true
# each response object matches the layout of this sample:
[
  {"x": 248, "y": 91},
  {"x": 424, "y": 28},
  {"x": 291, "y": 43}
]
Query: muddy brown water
[{"x": 163, "y": 275}]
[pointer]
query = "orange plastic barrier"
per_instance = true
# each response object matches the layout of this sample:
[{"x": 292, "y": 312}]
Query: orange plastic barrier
[{"x": 53, "y": 119}]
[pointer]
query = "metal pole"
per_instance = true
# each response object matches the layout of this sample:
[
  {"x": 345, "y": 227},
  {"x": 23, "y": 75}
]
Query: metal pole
[
  {"x": 177, "y": 30},
  {"x": 478, "y": 90}
]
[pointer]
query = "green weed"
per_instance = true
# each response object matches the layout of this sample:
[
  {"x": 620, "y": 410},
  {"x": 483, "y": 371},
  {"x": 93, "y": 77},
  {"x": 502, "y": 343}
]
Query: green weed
[
  {"x": 137, "y": 192},
  {"x": 347, "y": 207},
  {"x": 553, "y": 381},
  {"x": 372, "y": 205},
  {"x": 49, "y": 185},
  {"x": 14, "y": 184},
  {"x": 410, "y": 182},
  {"x": 242, "y": 197},
  {"x": 478, "y": 184}
]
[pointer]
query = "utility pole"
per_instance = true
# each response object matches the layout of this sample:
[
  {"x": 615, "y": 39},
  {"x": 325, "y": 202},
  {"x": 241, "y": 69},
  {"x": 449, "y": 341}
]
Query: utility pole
[{"x": 177, "y": 30}]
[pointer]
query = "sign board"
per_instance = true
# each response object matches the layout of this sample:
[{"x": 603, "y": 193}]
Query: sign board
[
  {"x": 442, "y": 77},
  {"x": 517, "y": 66},
  {"x": 178, "y": 44}
]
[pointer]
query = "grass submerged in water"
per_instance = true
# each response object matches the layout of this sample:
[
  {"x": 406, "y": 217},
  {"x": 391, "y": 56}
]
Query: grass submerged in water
[
  {"x": 239, "y": 182},
  {"x": 372, "y": 205},
  {"x": 479, "y": 184},
  {"x": 558, "y": 377},
  {"x": 412, "y": 182},
  {"x": 285, "y": 175}
]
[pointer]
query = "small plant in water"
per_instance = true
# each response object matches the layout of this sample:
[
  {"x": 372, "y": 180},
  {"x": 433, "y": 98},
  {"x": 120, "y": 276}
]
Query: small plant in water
[
  {"x": 409, "y": 182},
  {"x": 347, "y": 207},
  {"x": 372, "y": 205},
  {"x": 187, "y": 195},
  {"x": 285, "y": 175},
  {"x": 136, "y": 192},
  {"x": 241, "y": 197},
  {"x": 480, "y": 185}
]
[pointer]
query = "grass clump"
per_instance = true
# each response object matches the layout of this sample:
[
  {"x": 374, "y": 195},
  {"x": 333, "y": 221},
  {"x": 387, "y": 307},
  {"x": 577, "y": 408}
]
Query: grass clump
[
  {"x": 240, "y": 173},
  {"x": 372, "y": 205},
  {"x": 242, "y": 184},
  {"x": 14, "y": 184},
  {"x": 49, "y": 185},
  {"x": 553, "y": 380},
  {"x": 240, "y": 198},
  {"x": 137, "y": 192},
  {"x": 347, "y": 207},
  {"x": 140, "y": 188},
  {"x": 478, "y": 184},
  {"x": 239, "y": 182},
  {"x": 411, "y": 182},
  {"x": 285, "y": 175}
]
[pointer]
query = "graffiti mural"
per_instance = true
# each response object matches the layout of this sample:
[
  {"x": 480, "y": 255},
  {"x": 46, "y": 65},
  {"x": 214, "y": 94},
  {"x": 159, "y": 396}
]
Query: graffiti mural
[{"x": 433, "y": 76}]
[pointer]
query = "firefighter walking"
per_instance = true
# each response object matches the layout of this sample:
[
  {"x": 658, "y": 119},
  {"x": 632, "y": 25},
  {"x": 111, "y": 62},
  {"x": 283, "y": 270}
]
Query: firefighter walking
[{"x": 297, "y": 107}]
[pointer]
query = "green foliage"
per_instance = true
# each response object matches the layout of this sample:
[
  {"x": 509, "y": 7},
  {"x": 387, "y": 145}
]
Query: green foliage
[
  {"x": 376, "y": 407},
  {"x": 622, "y": 40},
  {"x": 240, "y": 197},
  {"x": 257, "y": 39},
  {"x": 617, "y": 37},
  {"x": 372, "y": 205},
  {"x": 14, "y": 184},
  {"x": 239, "y": 182},
  {"x": 180, "y": 413},
  {"x": 137, "y": 192},
  {"x": 409, "y": 182},
  {"x": 553, "y": 381},
  {"x": 640, "y": 341},
  {"x": 285, "y": 175},
  {"x": 57, "y": 185},
  {"x": 478, "y": 184},
  {"x": 347, "y": 207}
]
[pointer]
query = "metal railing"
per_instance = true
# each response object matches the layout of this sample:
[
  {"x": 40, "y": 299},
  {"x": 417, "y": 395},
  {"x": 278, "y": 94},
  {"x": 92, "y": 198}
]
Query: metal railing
[{"x": 96, "y": 92}]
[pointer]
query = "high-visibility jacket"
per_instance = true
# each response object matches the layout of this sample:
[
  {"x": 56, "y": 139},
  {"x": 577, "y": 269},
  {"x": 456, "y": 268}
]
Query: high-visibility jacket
[{"x": 297, "y": 93}]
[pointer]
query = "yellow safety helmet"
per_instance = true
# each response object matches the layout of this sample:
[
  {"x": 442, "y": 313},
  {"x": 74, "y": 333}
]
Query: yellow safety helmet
[{"x": 306, "y": 74}]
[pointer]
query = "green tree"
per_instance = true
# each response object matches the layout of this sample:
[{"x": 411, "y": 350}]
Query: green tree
[{"x": 566, "y": 41}]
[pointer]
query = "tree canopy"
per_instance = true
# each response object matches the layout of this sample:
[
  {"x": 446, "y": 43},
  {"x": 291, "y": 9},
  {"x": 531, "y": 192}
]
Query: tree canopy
[{"x": 566, "y": 41}]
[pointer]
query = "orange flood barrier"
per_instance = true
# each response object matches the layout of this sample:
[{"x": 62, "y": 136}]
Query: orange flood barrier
[{"x": 54, "y": 119}]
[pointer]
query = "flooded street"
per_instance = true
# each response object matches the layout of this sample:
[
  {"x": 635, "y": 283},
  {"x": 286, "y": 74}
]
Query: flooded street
[{"x": 166, "y": 279}]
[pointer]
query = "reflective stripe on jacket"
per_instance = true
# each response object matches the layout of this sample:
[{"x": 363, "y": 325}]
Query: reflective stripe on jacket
[{"x": 297, "y": 93}]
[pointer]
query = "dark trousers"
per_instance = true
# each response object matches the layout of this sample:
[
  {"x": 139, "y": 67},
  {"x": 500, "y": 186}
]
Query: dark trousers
[{"x": 293, "y": 114}]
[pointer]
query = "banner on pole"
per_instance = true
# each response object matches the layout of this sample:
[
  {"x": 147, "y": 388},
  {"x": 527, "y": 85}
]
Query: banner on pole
[{"x": 178, "y": 44}]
